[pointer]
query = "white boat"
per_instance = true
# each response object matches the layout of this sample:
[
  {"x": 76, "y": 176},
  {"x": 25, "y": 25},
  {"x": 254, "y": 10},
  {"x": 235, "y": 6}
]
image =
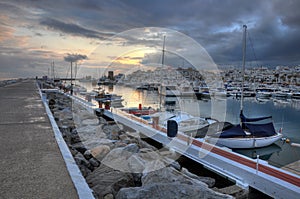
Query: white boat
[
  {"x": 258, "y": 135},
  {"x": 251, "y": 132},
  {"x": 185, "y": 121},
  {"x": 264, "y": 93},
  {"x": 78, "y": 88},
  {"x": 296, "y": 95}
]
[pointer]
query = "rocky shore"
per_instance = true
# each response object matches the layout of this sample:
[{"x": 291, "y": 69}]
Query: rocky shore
[{"x": 117, "y": 163}]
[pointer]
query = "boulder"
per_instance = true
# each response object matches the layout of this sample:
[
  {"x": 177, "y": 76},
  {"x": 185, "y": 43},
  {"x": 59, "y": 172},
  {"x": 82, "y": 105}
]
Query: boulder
[
  {"x": 90, "y": 122},
  {"x": 207, "y": 180},
  {"x": 100, "y": 152},
  {"x": 94, "y": 162},
  {"x": 105, "y": 181},
  {"x": 169, "y": 191},
  {"x": 169, "y": 183},
  {"x": 118, "y": 157}
]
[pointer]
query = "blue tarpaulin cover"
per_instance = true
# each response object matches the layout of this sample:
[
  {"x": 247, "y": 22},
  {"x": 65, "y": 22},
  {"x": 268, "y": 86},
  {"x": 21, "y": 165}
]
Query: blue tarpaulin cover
[
  {"x": 245, "y": 119},
  {"x": 261, "y": 129},
  {"x": 235, "y": 131}
]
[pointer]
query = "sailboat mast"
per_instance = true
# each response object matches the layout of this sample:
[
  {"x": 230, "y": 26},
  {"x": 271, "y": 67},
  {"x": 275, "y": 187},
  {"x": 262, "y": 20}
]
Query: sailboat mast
[
  {"x": 243, "y": 69},
  {"x": 163, "y": 52},
  {"x": 162, "y": 64},
  {"x": 71, "y": 79}
]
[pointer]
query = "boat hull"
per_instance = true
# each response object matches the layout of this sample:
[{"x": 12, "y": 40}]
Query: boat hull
[{"x": 245, "y": 143}]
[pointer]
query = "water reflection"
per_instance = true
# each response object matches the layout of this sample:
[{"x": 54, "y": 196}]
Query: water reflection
[
  {"x": 285, "y": 115},
  {"x": 264, "y": 153}
]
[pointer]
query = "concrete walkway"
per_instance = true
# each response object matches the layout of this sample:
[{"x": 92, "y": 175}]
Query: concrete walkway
[{"x": 31, "y": 165}]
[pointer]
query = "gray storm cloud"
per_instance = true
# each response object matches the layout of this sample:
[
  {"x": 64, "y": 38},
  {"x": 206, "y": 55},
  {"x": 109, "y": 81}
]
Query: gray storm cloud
[{"x": 75, "y": 57}]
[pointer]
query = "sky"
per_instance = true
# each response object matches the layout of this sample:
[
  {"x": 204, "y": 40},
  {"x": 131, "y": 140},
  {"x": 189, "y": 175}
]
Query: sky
[{"x": 124, "y": 34}]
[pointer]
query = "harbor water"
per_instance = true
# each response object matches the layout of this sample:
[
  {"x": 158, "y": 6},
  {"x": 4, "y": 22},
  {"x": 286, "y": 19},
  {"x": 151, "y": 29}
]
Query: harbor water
[{"x": 285, "y": 115}]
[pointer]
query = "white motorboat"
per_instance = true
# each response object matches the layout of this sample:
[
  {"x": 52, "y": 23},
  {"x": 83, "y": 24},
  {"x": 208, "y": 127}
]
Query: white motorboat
[{"x": 185, "y": 121}]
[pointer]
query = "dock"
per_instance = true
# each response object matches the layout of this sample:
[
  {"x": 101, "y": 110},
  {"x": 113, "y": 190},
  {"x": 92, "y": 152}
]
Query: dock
[
  {"x": 244, "y": 171},
  {"x": 32, "y": 163}
]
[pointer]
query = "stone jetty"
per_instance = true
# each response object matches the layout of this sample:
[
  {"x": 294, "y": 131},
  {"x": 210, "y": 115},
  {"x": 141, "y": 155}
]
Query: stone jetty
[
  {"x": 31, "y": 163},
  {"x": 117, "y": 163}
]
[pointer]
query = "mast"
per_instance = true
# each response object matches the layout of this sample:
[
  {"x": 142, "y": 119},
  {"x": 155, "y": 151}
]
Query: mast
[
  {"x": 71, "y": 79},
  {"x": 162, "y": 64},
  {"x": 163, "y": 52},
  {"x": 243, "y": 69}
]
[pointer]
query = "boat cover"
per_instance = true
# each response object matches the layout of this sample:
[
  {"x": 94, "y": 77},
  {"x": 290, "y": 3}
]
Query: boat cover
[
  {"x": 262, "y": 130},
  {"x": 235, "y": 131},
  {"x": 245, "y": 119}
]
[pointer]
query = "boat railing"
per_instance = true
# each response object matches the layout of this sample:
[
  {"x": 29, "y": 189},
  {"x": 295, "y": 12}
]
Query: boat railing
[{"x": 137, "y": 119}]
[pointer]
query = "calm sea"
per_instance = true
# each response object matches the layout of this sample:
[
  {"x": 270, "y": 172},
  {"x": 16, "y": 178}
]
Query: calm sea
[{"x": 286, "y": 115}]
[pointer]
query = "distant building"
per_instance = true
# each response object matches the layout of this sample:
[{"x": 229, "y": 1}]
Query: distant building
[{"x": 111, "y": 75}]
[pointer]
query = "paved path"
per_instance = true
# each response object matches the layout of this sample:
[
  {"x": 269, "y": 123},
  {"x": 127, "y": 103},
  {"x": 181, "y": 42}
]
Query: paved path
[{"x": 31, "y": 165}]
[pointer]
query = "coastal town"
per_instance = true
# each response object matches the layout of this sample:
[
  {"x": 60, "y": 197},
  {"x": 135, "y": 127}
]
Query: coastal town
[{"x": 281, "y": 82}]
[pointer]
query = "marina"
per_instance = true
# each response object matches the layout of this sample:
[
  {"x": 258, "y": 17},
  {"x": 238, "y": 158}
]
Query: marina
[
  {"x": 284, "y": 115},
  {"x": 256, "y": 168},
  {"x": 150, "y": 99},
  {"x": 242, "y": 170}
]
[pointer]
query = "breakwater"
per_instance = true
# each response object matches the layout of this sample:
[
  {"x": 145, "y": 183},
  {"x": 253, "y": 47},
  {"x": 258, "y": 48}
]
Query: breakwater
[{"x": 118, "y": 163}]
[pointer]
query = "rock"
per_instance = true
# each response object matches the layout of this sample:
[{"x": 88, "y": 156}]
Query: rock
[
  {"x": 94, "y": 162},
  {"x": 169, "y": 191},
  {"x": 149, "y": 154},
  {"x": 154, "y": 165},
  {"x": 207, "y": 180},
  {"x": 80, "y": 160},
  {"x": 175, "y": 165},
  {"x": 118, "y": 157},
  {"x": 87, "y": 154},
  {"x": 100, "y": 152},
  {"x": 105, "y": 180},
  {"x": 73, "y": 151},
  {"x": 120, "y": 144},
  {"x": 102, "y": 120},
  {"x": 79, "y": 147},
  {"x": 132, "y": 148},
  {"x": 84, "y": 170},
  {"x": 123, "y": 137},
  {"x": 75, "y": 137},
  {"x": 169, "y": 183},
  {"x": 84, "y": 165},
  {"x": 114, "y": 135},
  {"x": 108, "y": 129},
  {"x": 109, "y": 196},
  {"x": 90, "y": 122},
  {"x": 136, "y": 164}
]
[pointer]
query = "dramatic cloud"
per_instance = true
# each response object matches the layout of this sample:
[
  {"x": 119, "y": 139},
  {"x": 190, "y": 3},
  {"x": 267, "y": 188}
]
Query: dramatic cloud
[
  {"x": 78, "y": 26},
  {"x": 75, "y": 57},
  {"x": 73, "y": 29}
]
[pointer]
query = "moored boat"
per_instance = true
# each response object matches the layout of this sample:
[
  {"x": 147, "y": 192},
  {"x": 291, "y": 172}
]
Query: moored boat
[{"x": 251, "y": 132}]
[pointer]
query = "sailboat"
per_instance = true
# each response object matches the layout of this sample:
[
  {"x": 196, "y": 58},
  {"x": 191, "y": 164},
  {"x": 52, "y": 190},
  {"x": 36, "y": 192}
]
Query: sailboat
[{"x": 251, "y": 132}]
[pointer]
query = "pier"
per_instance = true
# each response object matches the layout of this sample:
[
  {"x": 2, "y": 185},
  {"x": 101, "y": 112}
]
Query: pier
[
  {"x": 245, "y": 172},
  {"x": 32, "y": 165}
]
